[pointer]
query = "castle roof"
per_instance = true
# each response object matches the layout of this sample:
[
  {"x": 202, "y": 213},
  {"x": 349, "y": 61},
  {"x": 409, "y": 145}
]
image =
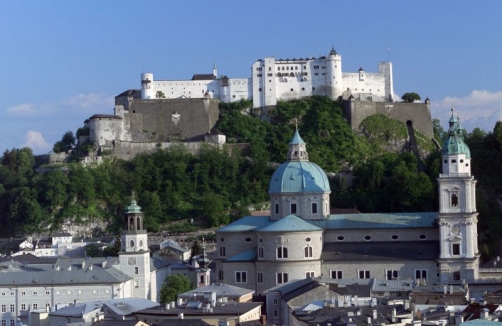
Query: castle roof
[
  {"x": 378, "y": 221},
  {"x": 203, "y": 77},
  {"x": 129, "y": 92},
  {"x": 247, "y": 223},
  {"x": 289, "y": 223},
  {"x": 105, "y": 116},
  {"x": 297, "y": 139},
  {"x": 248, "y": 255},
  {"x": 133, "y": 208}
]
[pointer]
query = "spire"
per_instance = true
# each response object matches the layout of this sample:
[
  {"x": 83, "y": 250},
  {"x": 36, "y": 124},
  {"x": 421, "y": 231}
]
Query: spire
[
  {"x": 454, "y": 143},
  {"x": 215, "y": 69},
  {"x": 203, "y": 261}
]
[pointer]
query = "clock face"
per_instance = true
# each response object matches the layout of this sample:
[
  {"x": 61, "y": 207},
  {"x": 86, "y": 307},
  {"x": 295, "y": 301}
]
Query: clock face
[
  {"x": 455, "y": 229},
  {"x": 131, "y": 261}
]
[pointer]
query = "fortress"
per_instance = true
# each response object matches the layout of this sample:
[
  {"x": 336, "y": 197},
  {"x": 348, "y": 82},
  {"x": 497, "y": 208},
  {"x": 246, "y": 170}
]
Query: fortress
[{"x": 165, "y": 112}]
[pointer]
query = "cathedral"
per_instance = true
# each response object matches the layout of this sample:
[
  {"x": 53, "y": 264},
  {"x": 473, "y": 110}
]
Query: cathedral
[{"x": 302, "y": 239}]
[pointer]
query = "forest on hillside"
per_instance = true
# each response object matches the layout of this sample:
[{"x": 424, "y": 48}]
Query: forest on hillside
[{"x": 218, "y": 186}]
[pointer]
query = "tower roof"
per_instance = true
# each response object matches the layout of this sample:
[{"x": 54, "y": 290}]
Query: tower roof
[
  {"x": 297, "y": 139},
  {"x": 454, "y": 143},
  {"x": 333, "y": 51},
  {"x": 133, "y": 208}
]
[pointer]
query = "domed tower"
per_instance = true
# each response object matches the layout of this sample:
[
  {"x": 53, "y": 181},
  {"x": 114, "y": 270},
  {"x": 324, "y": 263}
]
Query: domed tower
[
  {"x": 147, "y": 89},
  {"x": 203, "y": 272},
  {"x": 459, "y": 257},
  {"x": 299, "y": 187},
  {"x": 334, "y": 83},
  {"x": 134, "y": 256}
]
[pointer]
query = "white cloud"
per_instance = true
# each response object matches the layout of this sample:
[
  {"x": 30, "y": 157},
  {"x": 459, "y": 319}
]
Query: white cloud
[
  {"x": 93, "y": 101},
  {"x": 22, "y": 109},
  {"x": 35, "y": 141},
  {"x": 481, "y": 109}
]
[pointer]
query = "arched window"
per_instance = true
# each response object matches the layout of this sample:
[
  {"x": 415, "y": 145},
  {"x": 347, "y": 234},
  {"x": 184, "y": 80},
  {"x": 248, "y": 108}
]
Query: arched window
[
  {"x": 282, "y": 253},
  {"x": 138, "y": 223},
  {"x": 308, "y": 252},
  {"x": 223, "y": 251}
]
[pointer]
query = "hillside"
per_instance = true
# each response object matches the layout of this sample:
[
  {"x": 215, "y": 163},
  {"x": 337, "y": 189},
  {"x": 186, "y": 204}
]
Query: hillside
[{"x": 217, "y": 186}]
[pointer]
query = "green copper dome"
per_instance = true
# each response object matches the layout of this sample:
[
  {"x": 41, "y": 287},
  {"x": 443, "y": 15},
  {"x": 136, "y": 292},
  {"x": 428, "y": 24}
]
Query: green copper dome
[
  {"x": 298, "y": 174},
  {"x": 454, "y": 143},
  {"x": 133, "y": 208}
]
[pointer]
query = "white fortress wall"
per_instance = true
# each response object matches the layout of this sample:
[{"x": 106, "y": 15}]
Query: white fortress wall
[
  {"x": 188, "y": 88},
  {"x": 238, "y": 89},
  {"x": 373, "y": 83}
]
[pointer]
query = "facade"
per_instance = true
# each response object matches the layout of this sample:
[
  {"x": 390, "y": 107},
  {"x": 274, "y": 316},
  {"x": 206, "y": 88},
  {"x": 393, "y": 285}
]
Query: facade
[
  {"x": 301, "y": 239},
  {"x": 277, "y": 79}
]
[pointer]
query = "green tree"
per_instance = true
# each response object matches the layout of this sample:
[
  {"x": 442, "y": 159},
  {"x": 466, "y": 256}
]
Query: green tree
[
  {"x": 411, "y": 97},
  {"x": 174, "y": 285},
  {"x": 66, "y": 143},
  {"x": 160, "y": 94},
  {"x": 195, "y": 250},
  {"x": 92, "y": 250}
]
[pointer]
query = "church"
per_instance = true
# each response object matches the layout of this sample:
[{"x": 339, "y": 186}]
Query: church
[{"x": 301, "y": 239}]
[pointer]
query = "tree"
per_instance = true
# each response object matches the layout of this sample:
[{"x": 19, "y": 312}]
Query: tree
[
  {"x": 160, "y": 94},
  {"x": 174, "y": 285},
  {"x": 66, "y": 143},
  {"x": 195, "y": 250},
  {"x": 92, "y": 250},
  {"x": 411, "y": 97}
]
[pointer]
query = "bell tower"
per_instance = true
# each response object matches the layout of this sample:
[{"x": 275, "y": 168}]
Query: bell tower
[
  {"x": 134, "y": 256},
  {"x": 459, "y": 256}
]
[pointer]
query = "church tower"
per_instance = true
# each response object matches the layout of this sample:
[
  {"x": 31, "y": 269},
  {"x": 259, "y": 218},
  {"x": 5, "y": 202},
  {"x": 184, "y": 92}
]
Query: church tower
[
  {"x": 459, "y": 257},
  {"x": 203, "y": 271},
  {"x": 134, "y": 256}
]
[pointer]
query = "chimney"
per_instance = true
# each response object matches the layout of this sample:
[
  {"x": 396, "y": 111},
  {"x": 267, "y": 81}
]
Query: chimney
[
  {"x": 445, "y": 289},
  {"x": 103, "y": 264},
  {"x": 369, "y": 321},
  {"x": 484, "y": 313},
  {"x": 375, "y": 314},
  {"x": 180, "y": 315},
  {"x": 83, "y": 264}
]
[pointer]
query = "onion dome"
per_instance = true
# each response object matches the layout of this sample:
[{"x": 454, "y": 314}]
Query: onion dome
[{"x": 454, "y": 143}]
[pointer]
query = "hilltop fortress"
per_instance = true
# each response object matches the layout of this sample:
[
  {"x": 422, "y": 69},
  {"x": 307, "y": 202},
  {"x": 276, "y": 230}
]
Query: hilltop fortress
[{"x": 164, "y": 112}]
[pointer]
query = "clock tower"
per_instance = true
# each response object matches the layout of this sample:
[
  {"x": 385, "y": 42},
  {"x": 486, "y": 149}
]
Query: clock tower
[
  {"x": 134, "y": 256},
  {"x": 459, "y": 256}
]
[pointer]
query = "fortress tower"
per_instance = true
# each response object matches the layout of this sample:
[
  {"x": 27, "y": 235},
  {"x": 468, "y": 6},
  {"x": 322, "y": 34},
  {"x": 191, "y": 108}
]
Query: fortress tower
[
  {"x": 334, "y": 82},
  {"x": 147, "y": 89},
  {"x": 459, "y": 257}
]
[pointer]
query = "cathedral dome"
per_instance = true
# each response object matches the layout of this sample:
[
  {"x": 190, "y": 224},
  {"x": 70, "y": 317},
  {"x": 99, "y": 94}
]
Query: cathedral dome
[
  {"x": 454, "y": 143},
  {"x": 298, "y": 174}
]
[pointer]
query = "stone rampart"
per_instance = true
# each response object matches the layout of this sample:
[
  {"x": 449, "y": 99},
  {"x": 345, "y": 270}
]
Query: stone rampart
[
  {"x": 419, "y": 114},
  {"x": 128, "y": 150}
]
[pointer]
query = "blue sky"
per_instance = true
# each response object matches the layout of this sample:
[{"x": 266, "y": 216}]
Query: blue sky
[{"x": 62, "y": 61}]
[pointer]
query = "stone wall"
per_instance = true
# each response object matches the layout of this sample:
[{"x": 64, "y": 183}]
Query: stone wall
[
  {"x": 418, "y": 113},
  {"x": 128, "y": 150}
]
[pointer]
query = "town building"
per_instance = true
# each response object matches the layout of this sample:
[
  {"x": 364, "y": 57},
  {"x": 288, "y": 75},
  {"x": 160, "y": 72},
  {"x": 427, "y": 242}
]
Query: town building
[{"x": 301, "y": 239}]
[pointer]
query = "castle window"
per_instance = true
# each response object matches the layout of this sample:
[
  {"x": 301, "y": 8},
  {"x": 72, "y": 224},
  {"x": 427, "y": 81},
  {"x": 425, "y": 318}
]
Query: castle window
[
  {"x": 222, "y": 239},
  {"x": 316, "y": 74},
  {"x": 394, "y": 237},
  {"x": 282, "y": 253},
  {"x": 304, "y": 67},
  {"x": 420, "y": 274},
  {"x": 392, "y": 274},
  {"x": 136, "y": 270},
  {"x": 338, "y": 275},
  {"x": 259, "y": 277},
  {"x": 314, "y": 208},
  {"x": 269, "y": 68},
  {"x": 259, "y": 89},
  {"x": 220, "y": 275},
  {"x": 454, "y": 161},
  {"x": 258, "y": 75},
  {"x": 454, "y": 200},
  {"x": 308, "y": 239},
  {"x": 223, "y": 251},
  {"x": 422, "y": 237},
  {"x": 247, "y": 239},
  {"x": 281, "y": 278},
  {"x": 364, "y": 274},
  {"x": 303, "y": 88},
  {"x": 293, "y": 208},
  {"x": 276, "y": 209},
  {"x": 340, "y": 238},
  {"x": 455, "y": 249},
  {"x": 307, "y": 251},
  {"x": 241, "y": 277},
  {"x": 291, "y": 89},
  {"x": 309, "y": 274},
  {"x": 367, "y": 237},
  {"x": 260, "y": 252},
  {"x": 313, "y": 88}
]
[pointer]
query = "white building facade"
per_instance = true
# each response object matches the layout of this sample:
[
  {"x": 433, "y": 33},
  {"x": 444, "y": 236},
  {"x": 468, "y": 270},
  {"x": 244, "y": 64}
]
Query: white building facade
[{"x": 273, "y": 80}]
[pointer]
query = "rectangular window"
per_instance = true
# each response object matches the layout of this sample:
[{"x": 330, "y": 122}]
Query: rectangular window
[
  {"x": 220, "y": 275},
  {"x": 240, "y": 277},
  {"x": 12, "y": 322},
  {"x": 364, "y": 274},
  {"x": 309, "y": 274},
  {"x": 276, "y": 301},
  {"x": 455, "y": 248},
  {"x": 23, "y": 306},
  {"x": 259, "y": 277},
  {"x": 260, "y": 252},
  {"x": 282, "y": 253},
  {"x": 276, "y": 313},
  {"x": 293, "y": 208},
  {"x": 12, "y": 293},
  {"x": 276, "y": 209},
  {"x": 337, "y": 275},
  {"x": 420, "y": 274},
  {"x": 454, "y": 199},
  {"x": 35, "y": 293},
  {"x": 314, "y": 208},
  {"x": 35, "y": 306},
  {"x": 4, "y": 322},
  {"x": 4, "y": 308},
  {"x": 282, "y": 278},
  {"x": 392, "y": 274},
  {"x": 23, "y": 293},
  {"x": 258, "y": 75},
  {"x": 3, "y": 294},
  {"x": 223, "y": 251},
  {"x": 12, "y": 308},
  {"x": 270, "y": 74},
  {"x": 308, "y": 252},
  {"x": 259, "y": 89},
  {"x": 136, "y": 270},
  {"x": 47, "y": 292}
]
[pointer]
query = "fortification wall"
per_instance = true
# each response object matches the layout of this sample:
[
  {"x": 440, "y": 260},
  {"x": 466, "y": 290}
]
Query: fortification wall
[
  {"x": 128, "y": 150},
  {"x": 418, "y": 113},
  {"x": 168, "y": 119}
]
